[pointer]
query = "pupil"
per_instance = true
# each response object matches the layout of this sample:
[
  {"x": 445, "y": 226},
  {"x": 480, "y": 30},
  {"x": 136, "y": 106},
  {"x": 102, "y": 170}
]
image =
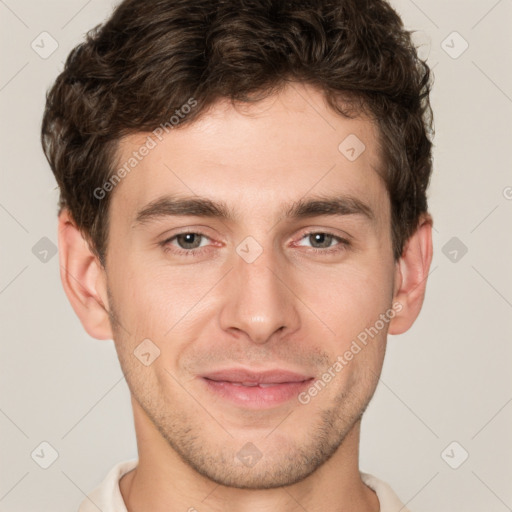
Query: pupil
[
  {"x": 322, "y": 238},
  {"x": 188, "y": 239}
]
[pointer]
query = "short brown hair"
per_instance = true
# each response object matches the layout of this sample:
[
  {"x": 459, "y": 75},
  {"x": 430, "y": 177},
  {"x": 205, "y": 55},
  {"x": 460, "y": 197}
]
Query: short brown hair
[{"x": 133, "y": 72}]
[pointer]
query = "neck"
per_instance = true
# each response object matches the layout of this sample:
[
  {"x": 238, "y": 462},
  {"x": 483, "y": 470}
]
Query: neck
[{"x": 162, "y": 481}]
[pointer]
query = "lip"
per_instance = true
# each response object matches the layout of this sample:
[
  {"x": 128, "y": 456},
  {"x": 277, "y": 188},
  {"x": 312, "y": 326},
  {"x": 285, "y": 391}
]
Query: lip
[
  {"x": 277, "y": 376},
  {"x": 263, "y": 389}
]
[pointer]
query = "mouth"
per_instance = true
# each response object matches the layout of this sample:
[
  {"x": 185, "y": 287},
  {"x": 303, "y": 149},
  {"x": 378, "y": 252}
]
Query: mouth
[{"x": 256, "y": 390}]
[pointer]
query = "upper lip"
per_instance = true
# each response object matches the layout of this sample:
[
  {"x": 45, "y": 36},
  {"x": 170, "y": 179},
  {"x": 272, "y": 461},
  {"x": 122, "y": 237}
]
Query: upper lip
[{"x": 276, "y": 376}]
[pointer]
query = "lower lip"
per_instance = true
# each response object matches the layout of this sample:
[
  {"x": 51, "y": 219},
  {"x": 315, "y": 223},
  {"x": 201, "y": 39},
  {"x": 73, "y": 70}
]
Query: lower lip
[{"x": 256, "y": 397}]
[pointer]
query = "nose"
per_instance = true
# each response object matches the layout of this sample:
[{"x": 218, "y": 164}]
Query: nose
[{"x": 258, "y": 301}]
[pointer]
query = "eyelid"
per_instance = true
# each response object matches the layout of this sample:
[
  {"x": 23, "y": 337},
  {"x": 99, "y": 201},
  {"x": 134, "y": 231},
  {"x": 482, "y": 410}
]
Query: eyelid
[
  {"x": 327, "y": 231},
  {"x": 197, "y": 230},
  {"x": 307, "y": 235}
]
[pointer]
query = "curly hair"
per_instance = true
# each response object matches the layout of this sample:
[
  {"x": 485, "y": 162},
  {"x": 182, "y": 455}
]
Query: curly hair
[{"x": 149, "y": 58}]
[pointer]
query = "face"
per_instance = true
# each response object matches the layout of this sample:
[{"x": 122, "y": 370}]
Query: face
[{"x": 276, "y": 292}]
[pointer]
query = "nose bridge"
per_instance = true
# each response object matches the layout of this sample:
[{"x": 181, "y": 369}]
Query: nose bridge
[{"x": 257, "y": 301}]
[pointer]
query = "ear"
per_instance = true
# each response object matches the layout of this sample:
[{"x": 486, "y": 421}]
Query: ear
[
  {"x": 411, "y": 277},
  {"x": 83, "y": 278}
]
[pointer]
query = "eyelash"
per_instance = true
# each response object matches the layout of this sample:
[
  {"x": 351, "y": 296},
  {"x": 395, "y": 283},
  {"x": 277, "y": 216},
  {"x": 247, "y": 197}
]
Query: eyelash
[{"x": 342, "y": 245}]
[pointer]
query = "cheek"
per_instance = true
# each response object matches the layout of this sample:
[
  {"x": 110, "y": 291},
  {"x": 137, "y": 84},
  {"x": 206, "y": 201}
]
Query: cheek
[
  {"x": 137, "y": 297},
  {"x": 347, "y": 299},
  {"x": 157, "y": 300}
]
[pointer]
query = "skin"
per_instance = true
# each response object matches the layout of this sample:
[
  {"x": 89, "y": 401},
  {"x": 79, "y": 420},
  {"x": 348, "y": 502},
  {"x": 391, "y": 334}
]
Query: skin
[{"x": 291, "y": 308}]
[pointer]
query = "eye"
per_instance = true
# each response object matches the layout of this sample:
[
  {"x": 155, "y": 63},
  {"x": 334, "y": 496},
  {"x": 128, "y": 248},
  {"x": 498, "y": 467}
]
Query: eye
[
  {"x": 187, "y": 243},
  {"x": 189, "y": 240},
  {"x": 322, "y": 242}
]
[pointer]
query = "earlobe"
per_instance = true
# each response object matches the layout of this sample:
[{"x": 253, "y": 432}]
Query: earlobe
[
  {"x": 83, "y": 279},
  {"x": 411, "y": 276}
]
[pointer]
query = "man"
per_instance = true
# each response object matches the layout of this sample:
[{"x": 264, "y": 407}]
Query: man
[{"x": 243, "y": 211}]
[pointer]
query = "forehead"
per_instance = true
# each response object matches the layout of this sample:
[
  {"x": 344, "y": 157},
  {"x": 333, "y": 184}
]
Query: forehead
[{"x": 255, "y": 157}]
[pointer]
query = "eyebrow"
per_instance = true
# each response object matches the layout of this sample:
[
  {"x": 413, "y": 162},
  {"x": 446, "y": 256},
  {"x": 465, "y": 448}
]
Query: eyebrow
[{"x": 169, "y": 206}]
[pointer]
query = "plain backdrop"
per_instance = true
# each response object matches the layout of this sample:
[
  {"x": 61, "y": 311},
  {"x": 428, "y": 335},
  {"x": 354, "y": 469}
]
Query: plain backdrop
[{"x": 439, "y": 427}]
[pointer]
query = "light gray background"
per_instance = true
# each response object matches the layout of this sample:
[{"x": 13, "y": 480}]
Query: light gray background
[{"x": 447, "y": 379}]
